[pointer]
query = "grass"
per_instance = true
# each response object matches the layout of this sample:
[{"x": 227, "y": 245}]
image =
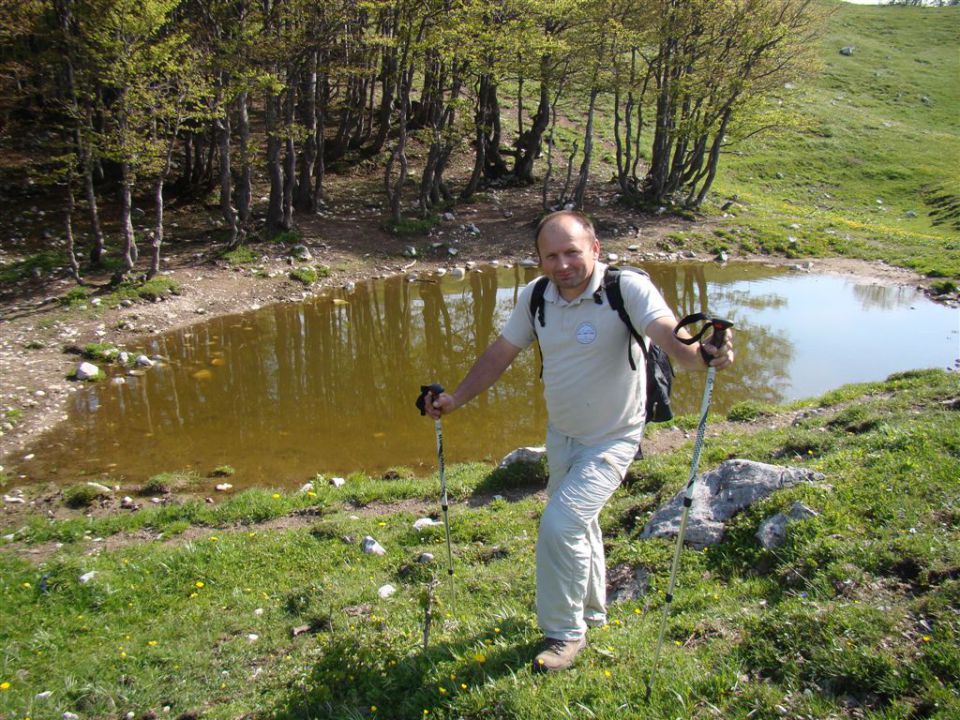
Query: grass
[
  {"x": 854, "y": 616},
  {"x": 43, "y": 262},
  {"x": 872, "y": 170}
]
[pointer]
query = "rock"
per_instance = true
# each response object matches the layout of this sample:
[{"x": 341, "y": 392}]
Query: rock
[
  {"x": 103, "y": 489},
  {"x": 719, "y": 495},
  {"x": 910, "y": 214},
  {"x": 449, "y": 216},
  {"x": 300, "y": 252},
  {"x": 847, "y": 50},
  {"x": 337, "y": 481},
  {"x": 118, "y": 381},
  {"x": 420, "y": 524},
  {"x": 70, "y": 716},
  {"x": 470, "y": 265},
  {"x": 425, "y": 558},
  {"x": 127, "y": 503},
  {"x": 773, "y": 530},
  {"x": 87, "y": 577},
  {"x": 372, "y": 547},
  {"x": 223, "y": 487},
  {"x": 722, "y": 256},
  {"x": 612, "y": 257},
  {"x": 633, "y": 248},
  {"x": 306, "y": 487},
  {"x": 452, "y": 251},
  {"x": 410, "y": 251},
  {"x": 529, "y": 262},
  {"x": 458, "y": 273},
  {"x": 13, "y": 500},
  {"x": 253, "y": 637},
  {"x": 43, "y": 695},
  {"x": 87, "y": 371},
  {"x": 626, "y": 583},
  {"x": 144, "y": 361},
  {"x": 386, "y": 591},
  {"x": 525, "y": 455}
]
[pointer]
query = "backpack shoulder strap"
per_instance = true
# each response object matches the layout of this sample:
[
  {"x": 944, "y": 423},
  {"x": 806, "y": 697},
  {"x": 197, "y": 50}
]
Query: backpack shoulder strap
[
  {"x": 611, "y": 286},
  {"x": 537, "y": 303}
]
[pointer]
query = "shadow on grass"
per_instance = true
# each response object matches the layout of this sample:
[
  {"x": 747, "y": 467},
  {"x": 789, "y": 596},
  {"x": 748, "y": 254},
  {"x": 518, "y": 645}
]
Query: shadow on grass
[{"x": 353, "y": 680}]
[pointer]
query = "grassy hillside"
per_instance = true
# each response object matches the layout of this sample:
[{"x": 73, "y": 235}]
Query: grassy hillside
[
  {"x": 875, "y": 169},
  {"x": 229, "y": 615}
]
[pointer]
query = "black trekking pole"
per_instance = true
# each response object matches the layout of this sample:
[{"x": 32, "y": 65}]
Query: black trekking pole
[
  {"x": 426, "y": 392},
  {"x": 719, "y": 329}
]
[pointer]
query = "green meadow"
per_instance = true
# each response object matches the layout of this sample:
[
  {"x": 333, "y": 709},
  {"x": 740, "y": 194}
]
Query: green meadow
[{"x": 263, "y": 606}]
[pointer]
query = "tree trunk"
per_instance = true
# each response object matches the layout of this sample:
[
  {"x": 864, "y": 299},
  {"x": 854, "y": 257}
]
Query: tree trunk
[
  {"x": 274, "y": 169},
  {"x": 530, "y": 143},
  {"x": 303, "y": 199},
  {"x": 290, "y": 155},
  {"x": 323, "y": 88},
  {"x": 226, "y": 178},
  {"x": 581, "y": 188},
  {"x": 129, "y": 254},
  {"x": 96, "y": 250},
  {"x": 68, "y": 229},
  {"x": 243, "y": 189}
]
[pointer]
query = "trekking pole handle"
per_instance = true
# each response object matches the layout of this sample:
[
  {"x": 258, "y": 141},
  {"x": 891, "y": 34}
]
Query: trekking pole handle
[
  {"x": 433, "y": 390},
  {"x": 718, "y": 326}
]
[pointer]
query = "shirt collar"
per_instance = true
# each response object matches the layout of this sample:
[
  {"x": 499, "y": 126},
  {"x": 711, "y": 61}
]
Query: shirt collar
[{"x": 552, "y": 293}]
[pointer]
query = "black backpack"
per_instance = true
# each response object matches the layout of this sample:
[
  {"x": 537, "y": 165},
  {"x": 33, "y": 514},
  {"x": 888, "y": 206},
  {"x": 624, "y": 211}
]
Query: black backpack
[{"x": 659, "y": 369}]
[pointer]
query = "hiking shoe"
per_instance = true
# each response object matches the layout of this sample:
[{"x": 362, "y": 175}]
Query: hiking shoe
[{"x": 558, "y": 654}]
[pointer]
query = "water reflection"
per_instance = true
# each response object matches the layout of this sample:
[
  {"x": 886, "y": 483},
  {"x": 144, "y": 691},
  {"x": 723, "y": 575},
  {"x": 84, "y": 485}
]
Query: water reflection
[{"x": 328, "y": 385}]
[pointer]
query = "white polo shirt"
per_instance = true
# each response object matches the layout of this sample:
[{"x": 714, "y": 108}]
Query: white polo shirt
[{"x": 592, "y": 394}]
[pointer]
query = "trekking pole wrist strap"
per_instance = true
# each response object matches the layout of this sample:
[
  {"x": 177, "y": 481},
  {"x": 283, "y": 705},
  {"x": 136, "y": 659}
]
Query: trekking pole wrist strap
[{"x": 718, "y": 326}]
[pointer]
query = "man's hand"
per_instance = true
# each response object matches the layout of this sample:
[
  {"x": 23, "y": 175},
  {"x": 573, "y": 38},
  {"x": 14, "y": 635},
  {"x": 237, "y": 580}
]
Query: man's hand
[
  {"x": 437, "y": 405},
  {"x": 722, "y": 355}
]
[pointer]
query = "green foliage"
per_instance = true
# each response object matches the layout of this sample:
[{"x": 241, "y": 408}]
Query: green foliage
[
  {"x": 74, "y": 297},
  {"x": 150, "y": 290},
  {"x": 82, "y": 495},
  {"x": 243, "y": 255},
  {"x": 747, "y": 411},
  {"x": 287, "y": 237},
  {"x": 408, "y": 227},
  {"x": 223, "y": 471},
  {"x": 40, "y": 264},
  {"x": 305, "y": 275}
]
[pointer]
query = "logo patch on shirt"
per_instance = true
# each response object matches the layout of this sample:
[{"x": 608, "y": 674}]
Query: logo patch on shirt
[{"x": 586, "y": 333}]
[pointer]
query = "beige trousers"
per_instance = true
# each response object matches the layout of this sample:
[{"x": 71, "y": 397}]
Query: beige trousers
[{"x": 571, "y": 574}]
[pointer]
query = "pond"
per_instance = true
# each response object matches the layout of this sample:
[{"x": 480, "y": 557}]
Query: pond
[{"x": 328, "y": 385}]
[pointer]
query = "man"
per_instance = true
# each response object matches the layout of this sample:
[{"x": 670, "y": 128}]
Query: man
[{"x": 595, "y": 406}]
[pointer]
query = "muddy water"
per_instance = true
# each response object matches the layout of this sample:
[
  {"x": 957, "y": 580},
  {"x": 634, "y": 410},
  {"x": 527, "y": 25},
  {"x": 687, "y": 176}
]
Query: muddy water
[{"x": 328, "y": 386}]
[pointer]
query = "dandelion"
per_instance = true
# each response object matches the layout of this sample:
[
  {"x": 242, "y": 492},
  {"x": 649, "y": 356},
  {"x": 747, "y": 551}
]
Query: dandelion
[
  {"x": 276, "y": 496},
  {"x": 636, "y": 611},
  {"x": 4, "y": 685},
  {"x": 373, "y": 708},
  {"x": 151, "y": 643},
  {"x": 311, "y": 493},
  {"x": 607, "y": 673},
  {"x": 463, "y": 686},
  {"x": 926, "y": 638},
  {"x": 443, "y": 691},
  {"x": 193, "y": 595},
  {"x": 198, "y": 584},
  {"x": 678, "y": 643},
  {"x": 480, "y": 658},
  {"x": 214, "y": 538},
  {"x": 381, "y": 524},
  {"x": 123, "y": 655},
  {"x": 496, "y": 630},
  {"x": 26, "y": 586}
]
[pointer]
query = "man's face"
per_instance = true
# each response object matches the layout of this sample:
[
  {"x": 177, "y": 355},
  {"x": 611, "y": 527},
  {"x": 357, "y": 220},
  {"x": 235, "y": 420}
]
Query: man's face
[{"x": 568, "y": 253}]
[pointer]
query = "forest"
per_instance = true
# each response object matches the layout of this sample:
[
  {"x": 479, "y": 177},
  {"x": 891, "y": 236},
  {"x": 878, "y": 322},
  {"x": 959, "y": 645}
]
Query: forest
[{"x": 136, "y": 102}]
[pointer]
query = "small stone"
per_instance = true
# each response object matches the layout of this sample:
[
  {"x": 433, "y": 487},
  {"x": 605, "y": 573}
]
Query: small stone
[
  {"x": 253, "y": 637},
  {"x": 612, "y": 257},
  {"x": 87, "y": 577},
  {"x": 458, "y": 273},
  {"x": 87, "y": 371},
  {"x": 386, "y": 591},
  {"x": 452, "y": 251},
  {"x": 13, "y": 500},
  {"x": 847, "y": 50},
  {"x": 127, "y": 503},
  {"x": 144, "y": 361},
  {"x": 337, "y": 482},
  {"x": 258, "y": 612},
  {"x": 70, "y": 716},
  {"x": 372, "y": 547},
  {"x": 223, "y": 487},
  {"x": 425, "y": 558},
  {"x": 43, "y": 695},
  {"x": 306, "y": 487},
  {"x": 420, "y": 524}
]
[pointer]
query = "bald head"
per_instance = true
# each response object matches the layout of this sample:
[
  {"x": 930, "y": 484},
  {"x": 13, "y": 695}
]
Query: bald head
[{"x": 569, "y": 222}]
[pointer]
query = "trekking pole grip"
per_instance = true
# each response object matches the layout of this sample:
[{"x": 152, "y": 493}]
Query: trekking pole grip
[
  {"x": 433, "y": 390},
  {"x": 718, "y": 326}
]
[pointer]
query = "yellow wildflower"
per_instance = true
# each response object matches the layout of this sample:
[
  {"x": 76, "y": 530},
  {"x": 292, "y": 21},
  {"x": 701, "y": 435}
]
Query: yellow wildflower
[
  {"x": 4, "y": 685},
  {"x": 198, "y": 584},
  {"x": 480, "y": 658}
]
